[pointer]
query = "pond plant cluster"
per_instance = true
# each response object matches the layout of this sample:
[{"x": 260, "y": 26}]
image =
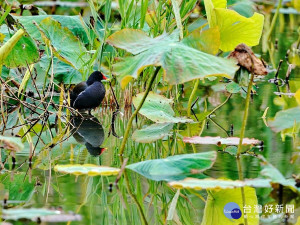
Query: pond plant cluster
[{"x": 198, "y": 123}]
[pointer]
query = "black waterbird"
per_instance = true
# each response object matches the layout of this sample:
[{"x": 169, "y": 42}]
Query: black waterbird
[{"x": 89, "y": 94}]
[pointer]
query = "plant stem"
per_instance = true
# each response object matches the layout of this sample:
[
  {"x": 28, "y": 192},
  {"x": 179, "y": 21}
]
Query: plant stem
[
  {"x": 137, "y": 110},
  {"x": 140, "y": 209},
  {"x": 191, "y": 98},
  {"x": 274, "y": 20},
  {"x": 239, "y": 166},
  {"x": 219, "y": 106},
  {"x": 245, "y": 115}
]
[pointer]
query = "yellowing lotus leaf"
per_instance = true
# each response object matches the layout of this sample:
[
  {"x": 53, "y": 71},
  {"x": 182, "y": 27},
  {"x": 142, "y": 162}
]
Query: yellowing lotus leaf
[
  {"x": 236, "y": 29},
  {"x": 87, "y": 169},
  {"x": 210, "y": 5},
  {"x": 221, "y": 201},
  {"x": 204, "y": 40},
  {"x": 125, "y": 81}
]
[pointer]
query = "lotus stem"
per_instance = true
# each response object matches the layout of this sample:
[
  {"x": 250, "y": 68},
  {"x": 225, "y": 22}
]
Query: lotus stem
[
  {"x": 189, "y": 107},
  {"x": 219, "y": 106},
  {"x": 274, "y": 20},
  {"x": 140, "y": 209},
  {"x": 129, "y": 125},
  {"x": 245, "y": 115},
  {"x": 239, "y": 166}
]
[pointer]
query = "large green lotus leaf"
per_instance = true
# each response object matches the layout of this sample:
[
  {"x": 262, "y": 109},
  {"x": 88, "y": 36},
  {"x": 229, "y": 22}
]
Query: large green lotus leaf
[
  {"x": 180, "y": 63},
  {"x": 63, "y": 72},
  {"x": 19, "y": 188},
  {"x": 158, "y": 109},
  {"x": 233, "y": 87},
  {"x": 137, "y": 41},
  {"x": 66, "y": 46},
  {"x": 24, "y": 51},
  {"x": 152, "y": 133},
  {"x": 174, "y": 167},
  {"x": 234, "y": 28},
  {"x": 204, "y": 40},
  {"x": 216, "y": 200},
  {"x": 39, "y": 214},
  {"x": 11, "y": 143},
  {"x": 74, "y": 24},
  {"x": 87, "y": 169},
  {"x": 285, "y": 119}
]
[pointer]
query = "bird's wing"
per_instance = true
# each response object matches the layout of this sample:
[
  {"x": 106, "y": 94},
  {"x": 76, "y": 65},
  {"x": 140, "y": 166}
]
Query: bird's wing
[
  {"x": 91, "y": 97},
  {"x": 76, "y": 91}
]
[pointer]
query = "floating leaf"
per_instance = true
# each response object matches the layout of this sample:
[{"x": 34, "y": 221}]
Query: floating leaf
[
  {"x": 219, "y": 201},
  {"x": 285, "y": 119},
  {"x": 64, "y": 44},
  {"x": 174, "y": 167},
  {"x": 217, "y": 184},
  {"x": 234, "y": 28},
  {"x": 220, "y": 141},
  {"x": 233, "y": 87},
  {"x": 44, "y": 215},
  {"x": 87, "y": 169},
  {"x": 152, "y": 133},
  {"x": 232, "y": 150},
  {"x": 180, "y": 62},
  {"x": 158, "y": 109},
  {"x": 11, "y": 143}
]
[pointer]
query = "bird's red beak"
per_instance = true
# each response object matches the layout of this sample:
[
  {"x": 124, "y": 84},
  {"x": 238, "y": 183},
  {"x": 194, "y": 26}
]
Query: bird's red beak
[
  {"x": 102, "y": 150},
  {"x": 104, "y": 77}
]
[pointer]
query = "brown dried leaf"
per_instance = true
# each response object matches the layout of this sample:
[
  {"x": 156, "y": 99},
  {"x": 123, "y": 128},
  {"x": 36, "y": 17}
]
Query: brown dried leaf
[{"x": 245, "y": 57}]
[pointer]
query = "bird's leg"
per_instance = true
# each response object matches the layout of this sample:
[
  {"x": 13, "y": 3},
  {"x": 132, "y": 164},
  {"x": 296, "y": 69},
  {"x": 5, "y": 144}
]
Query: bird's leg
[
  {"x": 112, "y": 90},
  {"x": 112, "y": 126},
  {"x": 90, "y": 112}
]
